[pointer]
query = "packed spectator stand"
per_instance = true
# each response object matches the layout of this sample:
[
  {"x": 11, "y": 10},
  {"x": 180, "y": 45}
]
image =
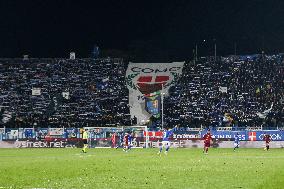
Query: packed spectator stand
[
  {"x": 92, "y": 92},
  {"x": 253, "y": 94}
]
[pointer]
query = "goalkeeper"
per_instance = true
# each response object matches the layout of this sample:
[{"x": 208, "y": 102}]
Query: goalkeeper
[{"x": 85, "y": 140}]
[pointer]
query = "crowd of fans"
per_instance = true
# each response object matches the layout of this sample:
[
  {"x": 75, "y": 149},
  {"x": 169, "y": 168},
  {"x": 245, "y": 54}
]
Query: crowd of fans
[
  {"x": 231, "y": 91},
  {"x": 73, "y": 93},
  {"x": 251, "y": 93}
]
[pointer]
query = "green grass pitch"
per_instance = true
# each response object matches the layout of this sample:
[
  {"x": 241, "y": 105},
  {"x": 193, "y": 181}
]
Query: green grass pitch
[{"x": 141, "y": 168}]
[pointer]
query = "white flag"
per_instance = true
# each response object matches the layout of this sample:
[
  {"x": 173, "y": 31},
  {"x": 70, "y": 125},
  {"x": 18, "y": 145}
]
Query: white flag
[
  {"x": 36, "y": 91},
  {"x": 223, "y": 89},
  {"x": 105, "y": 80},
  {"x": 66, "y": 95},
  {"x": 72, "y": 55}
]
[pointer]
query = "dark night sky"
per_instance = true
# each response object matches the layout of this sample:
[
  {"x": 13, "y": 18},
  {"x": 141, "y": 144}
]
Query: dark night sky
[{"x": 154, "y": 28}]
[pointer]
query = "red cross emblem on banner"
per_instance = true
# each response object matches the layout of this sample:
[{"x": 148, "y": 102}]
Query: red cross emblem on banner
[
  {"x": 252, "y": 136},
  {"x": 150, "y": 84}
]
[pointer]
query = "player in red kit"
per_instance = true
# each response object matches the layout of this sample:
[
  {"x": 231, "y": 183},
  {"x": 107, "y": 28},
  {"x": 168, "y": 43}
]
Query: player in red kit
[
  {"x": 207, "y": 138},
  {"x": 267, "y": 139},
  {"x": 113, "y": 140},
  {"x": 125, "y": 142}
]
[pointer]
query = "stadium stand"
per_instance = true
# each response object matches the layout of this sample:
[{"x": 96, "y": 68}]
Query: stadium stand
[
  {"x": 242, "y": 91},
  {"x": 73, "y": 93},
  {"x": 233, "y": 91}
]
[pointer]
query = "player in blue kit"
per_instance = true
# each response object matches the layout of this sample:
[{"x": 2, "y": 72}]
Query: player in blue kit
[
  {"x": 130, "y": 138},
  {"x": 165, "y": 142},
  {"x": 120, "y": 142},
  {"x": 236, "y": 141}
]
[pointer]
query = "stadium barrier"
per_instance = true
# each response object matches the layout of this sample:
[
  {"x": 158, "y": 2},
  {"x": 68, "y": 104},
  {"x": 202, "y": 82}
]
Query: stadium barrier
[
  {"x": 137, "y": 143},
  {"x": 104, "y": 138},
  {"x": 105, "y": 132},
  {"x": 248, "y": 135}
]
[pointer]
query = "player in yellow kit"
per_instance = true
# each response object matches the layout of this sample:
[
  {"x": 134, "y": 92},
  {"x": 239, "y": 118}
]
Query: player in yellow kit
[{"x": 85, "y": 140}]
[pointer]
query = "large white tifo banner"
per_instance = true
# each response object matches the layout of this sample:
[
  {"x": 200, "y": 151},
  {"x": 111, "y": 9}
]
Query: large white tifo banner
[{"x": 146, "y": 82}]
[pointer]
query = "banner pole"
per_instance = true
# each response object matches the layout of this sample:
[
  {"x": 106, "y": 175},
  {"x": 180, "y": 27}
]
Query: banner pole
[{"x": 162, "y": 106}]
